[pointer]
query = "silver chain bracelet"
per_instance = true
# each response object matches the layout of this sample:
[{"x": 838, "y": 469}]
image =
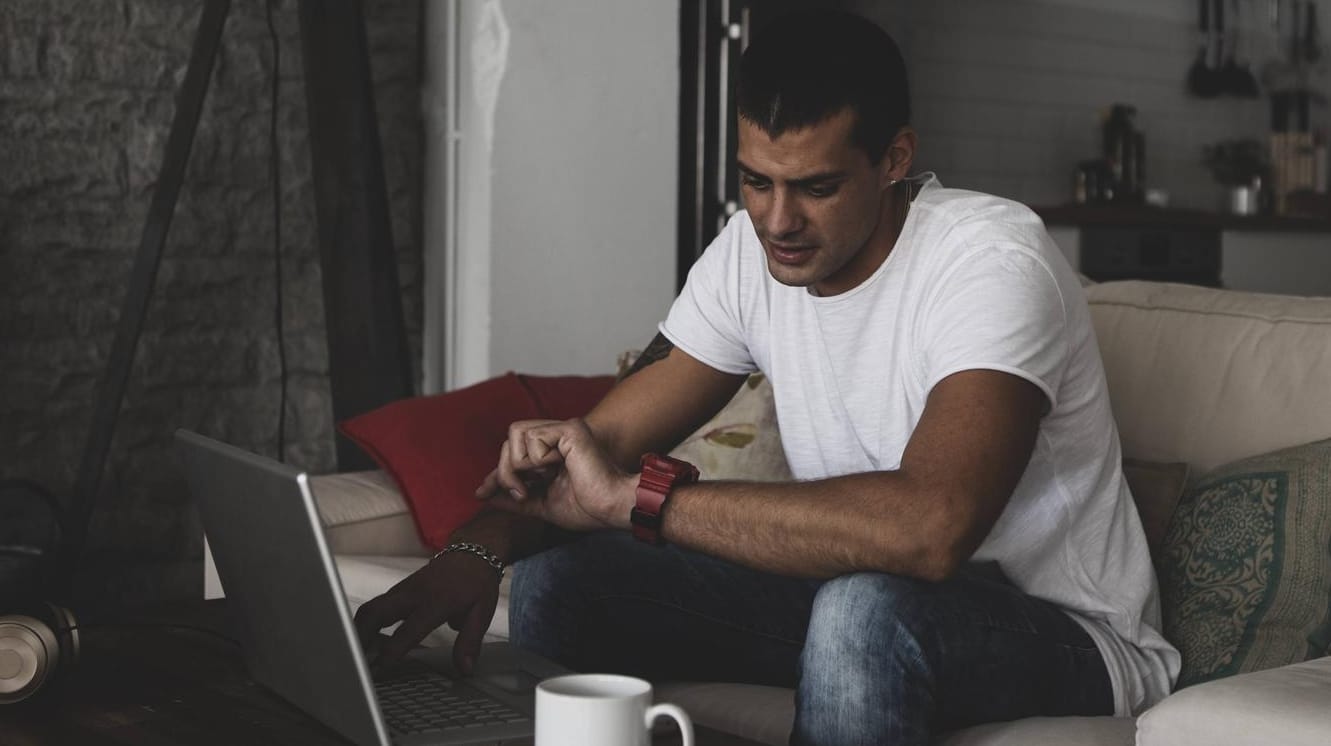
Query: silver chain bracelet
[{"x": 478, "y": 550}]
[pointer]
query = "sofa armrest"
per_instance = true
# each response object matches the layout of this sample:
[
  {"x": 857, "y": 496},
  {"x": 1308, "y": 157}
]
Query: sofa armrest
[
  {"x": 1286, "y": 705},
  {"x": 365, "y": 513},
  {"x": 361, "y": 512}
]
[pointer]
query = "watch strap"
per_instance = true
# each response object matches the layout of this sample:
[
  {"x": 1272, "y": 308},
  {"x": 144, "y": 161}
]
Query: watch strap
[{"x": 658, "y": 479}]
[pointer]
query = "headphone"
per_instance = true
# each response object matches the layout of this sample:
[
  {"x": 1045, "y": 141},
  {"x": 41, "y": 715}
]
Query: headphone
[
  {"x": 38, "y": 639},
  {"x": 36, "y": 644}
]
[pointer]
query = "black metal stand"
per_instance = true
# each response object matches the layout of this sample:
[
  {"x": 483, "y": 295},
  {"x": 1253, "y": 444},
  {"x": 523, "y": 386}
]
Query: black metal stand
[
  {"x": 111, "y": 390},
  {"x": 369, "y": 365}
]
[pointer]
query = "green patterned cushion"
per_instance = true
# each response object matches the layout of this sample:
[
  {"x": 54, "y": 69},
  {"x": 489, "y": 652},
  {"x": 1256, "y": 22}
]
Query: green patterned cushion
[{"x": 1246, "y": 577}]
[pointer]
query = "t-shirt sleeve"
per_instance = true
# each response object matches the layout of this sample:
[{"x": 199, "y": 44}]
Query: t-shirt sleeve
[
  {"x": 706, "y": 319},
  {"x": 999, "y": 309}
]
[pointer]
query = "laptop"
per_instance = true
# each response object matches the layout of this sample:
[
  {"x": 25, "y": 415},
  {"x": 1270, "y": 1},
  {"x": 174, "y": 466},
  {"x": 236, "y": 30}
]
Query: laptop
[{"x": 295, "y": 627}]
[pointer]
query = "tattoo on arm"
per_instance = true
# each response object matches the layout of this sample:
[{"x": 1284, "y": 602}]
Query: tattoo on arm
[{"x": 657, "y": 350}]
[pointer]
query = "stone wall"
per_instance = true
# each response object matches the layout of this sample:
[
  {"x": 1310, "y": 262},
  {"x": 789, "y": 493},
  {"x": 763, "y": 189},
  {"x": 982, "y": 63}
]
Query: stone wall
[{"x": 87, "y": 90}]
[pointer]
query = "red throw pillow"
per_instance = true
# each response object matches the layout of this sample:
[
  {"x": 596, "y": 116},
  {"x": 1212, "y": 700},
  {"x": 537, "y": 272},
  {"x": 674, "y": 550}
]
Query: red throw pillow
[
  {"x": 566, "y": 397},
  {"x": 438, "y": 448}
]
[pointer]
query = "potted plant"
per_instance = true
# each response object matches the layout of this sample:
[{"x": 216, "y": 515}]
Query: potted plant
[{"x": 1240, "y": 166}]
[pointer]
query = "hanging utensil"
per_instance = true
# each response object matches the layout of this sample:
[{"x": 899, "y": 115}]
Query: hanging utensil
[
  {"x": 1295, "y": 38},
  {"x": 1201, "y": 78},
  {"x": 1228, "y": 72},
  {"x": 1273, "y": 17},
  {"x": 1242, "y": 82},
  {"x": 1312, "y": 45}
]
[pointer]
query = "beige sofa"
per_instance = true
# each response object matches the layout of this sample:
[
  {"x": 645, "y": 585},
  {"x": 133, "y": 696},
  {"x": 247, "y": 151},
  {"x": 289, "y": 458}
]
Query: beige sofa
[{"x": 1197, "y": 376}]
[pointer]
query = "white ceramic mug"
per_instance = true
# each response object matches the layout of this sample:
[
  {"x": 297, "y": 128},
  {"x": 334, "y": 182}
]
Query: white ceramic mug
[{"x": 600, "y": 710}]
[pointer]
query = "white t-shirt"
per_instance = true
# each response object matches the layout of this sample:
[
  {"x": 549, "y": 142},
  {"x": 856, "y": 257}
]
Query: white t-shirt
[{"x": 974, "y": 281}]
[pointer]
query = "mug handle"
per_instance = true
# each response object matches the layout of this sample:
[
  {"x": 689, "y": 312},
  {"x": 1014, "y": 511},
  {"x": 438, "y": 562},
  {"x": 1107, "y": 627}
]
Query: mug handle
[{"x": 673, "y": 711}]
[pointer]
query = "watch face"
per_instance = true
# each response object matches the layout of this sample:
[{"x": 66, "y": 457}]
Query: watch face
[{"x": 671, "y": 467}]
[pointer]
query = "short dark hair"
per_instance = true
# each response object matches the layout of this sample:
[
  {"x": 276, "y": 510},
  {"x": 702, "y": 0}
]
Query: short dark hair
[{"x": 803, "y": 68}]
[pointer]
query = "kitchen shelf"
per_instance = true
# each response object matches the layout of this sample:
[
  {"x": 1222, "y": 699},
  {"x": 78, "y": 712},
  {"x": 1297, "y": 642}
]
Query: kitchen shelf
[{"x": 1138, "y": 216}]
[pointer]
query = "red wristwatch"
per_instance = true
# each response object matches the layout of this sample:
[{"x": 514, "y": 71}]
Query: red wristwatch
[{"x": 660, "y": 475}]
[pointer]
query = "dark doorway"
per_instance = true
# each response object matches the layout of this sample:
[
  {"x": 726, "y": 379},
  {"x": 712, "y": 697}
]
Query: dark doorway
[{"x": 712, "y": 35}]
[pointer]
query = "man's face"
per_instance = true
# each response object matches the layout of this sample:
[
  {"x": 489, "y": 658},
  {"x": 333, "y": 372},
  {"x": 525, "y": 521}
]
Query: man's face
[{"x": 817, "y": 203}]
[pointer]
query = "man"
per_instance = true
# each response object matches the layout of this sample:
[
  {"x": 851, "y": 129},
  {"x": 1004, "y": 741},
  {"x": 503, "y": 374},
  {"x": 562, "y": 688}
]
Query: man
[{"x": 960, "y": 546}]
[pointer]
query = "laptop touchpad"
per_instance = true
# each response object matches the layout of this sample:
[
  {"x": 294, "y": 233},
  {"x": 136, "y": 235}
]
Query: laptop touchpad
[{"x": 516, "y": 681}]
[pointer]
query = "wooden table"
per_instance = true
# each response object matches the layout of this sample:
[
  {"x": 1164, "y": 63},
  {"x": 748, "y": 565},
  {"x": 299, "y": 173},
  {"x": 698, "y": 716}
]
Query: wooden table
[{"x": 145, "y": 684}]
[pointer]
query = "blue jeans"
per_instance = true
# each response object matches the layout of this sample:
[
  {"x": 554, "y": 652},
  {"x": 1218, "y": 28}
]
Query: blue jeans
[{"x": 874, "y": 658}]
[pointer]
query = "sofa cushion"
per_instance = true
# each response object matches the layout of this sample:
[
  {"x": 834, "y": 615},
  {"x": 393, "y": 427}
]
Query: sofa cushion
[
  {"x": 1048, "y": 731},
  {"x": 438, "y": 448},
  {"x": 759, "y": 713},
  {"x": 363, "y": 512},
  {"x": 1286, "y": 706},
  {"x": 765, "y": 714},
  {"x": 1246, "y": 574},
  {"x": 1208, "y": 376},
  {"x": 1156, "y": 490}
]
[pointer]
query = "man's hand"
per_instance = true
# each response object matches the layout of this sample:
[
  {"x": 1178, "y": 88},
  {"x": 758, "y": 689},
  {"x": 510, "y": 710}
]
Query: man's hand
[
  {"x": 457, "y": 588},
  {"x": 557, "y": 471}
]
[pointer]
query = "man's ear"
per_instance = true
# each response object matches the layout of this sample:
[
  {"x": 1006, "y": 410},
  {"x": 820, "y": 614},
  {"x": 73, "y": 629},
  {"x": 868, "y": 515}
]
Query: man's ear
[{"x": 899, "y": 157}]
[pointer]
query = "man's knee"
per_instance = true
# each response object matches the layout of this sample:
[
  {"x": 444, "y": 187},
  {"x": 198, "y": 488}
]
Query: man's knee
[
  {"x": 864, "y": 670},
  {"x": 865, "y": 613},
  {"x": 864, "y": 634}
]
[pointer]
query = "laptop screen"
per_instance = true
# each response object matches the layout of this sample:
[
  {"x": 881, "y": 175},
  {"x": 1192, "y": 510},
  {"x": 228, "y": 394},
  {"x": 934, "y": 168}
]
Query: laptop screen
[{"x": 282, "y": 588}]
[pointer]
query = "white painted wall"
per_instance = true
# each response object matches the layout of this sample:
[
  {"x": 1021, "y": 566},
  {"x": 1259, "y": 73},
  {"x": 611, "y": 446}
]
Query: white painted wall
[
  {"x": 550, "y": 197},
  {"x": 584, "y": 183}
]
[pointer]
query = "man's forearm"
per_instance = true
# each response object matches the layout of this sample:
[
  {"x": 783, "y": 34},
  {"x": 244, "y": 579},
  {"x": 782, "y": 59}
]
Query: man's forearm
[
  {"x": 964, "y": 460},
  {"x": 660, "y": 400},
  {"x": 508, "y": 535},
  {"x": 863, "y": 522}
]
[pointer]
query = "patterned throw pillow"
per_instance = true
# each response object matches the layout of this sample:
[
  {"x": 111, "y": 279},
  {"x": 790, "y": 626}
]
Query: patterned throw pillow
[
  {"x": 1246, "y": 575},
  {"x": 741, "y": 442}
]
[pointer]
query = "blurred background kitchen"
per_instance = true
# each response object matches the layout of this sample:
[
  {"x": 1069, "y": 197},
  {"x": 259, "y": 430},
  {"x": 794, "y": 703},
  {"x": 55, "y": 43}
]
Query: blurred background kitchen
[{"x": 1182, "y": 140}]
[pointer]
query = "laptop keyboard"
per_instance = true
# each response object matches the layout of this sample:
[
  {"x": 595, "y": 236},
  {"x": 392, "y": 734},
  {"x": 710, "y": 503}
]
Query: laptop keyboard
[{"x": 430, "y": 703}]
